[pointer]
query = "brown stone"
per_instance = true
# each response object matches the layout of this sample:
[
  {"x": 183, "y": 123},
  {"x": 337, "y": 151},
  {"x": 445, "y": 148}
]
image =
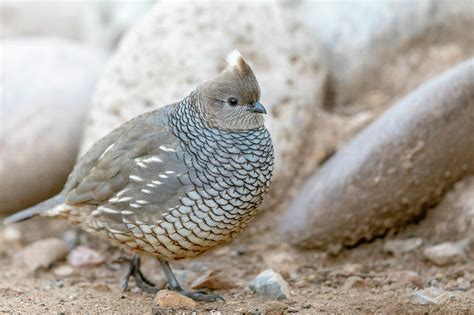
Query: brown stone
[
  {"x": 171, "y": 299},
  {"x": 405, "y": 277}
]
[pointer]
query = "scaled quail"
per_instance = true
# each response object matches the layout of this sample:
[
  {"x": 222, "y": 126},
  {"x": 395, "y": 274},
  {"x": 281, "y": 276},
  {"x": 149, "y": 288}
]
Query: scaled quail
[{"x": 175, "y": 182}]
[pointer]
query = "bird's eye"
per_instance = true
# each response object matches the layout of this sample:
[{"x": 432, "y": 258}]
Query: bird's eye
[{"x": 232, "y": 101}]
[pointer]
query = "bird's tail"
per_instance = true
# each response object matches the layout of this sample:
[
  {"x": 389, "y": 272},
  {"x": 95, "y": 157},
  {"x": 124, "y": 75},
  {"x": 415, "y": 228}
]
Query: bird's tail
[{"x": 35, "y": 210}]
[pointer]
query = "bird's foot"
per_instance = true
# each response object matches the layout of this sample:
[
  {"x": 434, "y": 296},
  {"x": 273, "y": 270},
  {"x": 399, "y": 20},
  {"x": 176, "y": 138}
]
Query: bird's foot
[
  {"x": 175, "y": 286},
  {"x": 142, "y": 282},
  {"x": 200, "y": 295}
]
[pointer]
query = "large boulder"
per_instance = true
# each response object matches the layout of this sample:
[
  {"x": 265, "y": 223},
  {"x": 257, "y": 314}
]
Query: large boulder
[
  {"x": 98, "y": 23},
  {"x": 377, "y": 51},
  {"x": 393, "y": 171},
  {"x": 179, "y": 45},
  {"x": 46, "y": 90}
]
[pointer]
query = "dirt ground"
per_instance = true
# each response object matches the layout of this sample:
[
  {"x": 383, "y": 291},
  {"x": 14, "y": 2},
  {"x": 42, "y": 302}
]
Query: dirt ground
[{"x": 316, "y": 279}]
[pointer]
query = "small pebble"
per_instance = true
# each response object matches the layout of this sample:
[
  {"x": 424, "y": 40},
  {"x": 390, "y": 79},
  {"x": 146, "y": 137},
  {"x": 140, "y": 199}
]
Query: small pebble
[
  {"x": 83, "y": 256},
  {"x": 399, "y": 247},
  {"x": 405, "y": 277},
  {"x": 171, "y": 299},
  {"x": 356, "y": 282},
  {"x": 447, "y": 253},
  {"x": 43, "y": 253},
  {"x": 102, "y": 287},
  {"x": 271, "y": 285},
  {"x": 11, "y": 234},
  {"x": 63, "y": 271},
  {"x": 431, "y": 295},
  {"x": 352, "y": 269}
]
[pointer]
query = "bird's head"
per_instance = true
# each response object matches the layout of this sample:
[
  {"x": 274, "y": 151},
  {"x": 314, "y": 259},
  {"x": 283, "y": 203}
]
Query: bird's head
[{"x": 232, "y": 99}]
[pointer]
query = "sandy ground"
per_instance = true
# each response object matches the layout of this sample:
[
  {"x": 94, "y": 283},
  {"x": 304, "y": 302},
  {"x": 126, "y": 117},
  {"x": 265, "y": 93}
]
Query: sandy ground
[{"x": 316, "y": 279}]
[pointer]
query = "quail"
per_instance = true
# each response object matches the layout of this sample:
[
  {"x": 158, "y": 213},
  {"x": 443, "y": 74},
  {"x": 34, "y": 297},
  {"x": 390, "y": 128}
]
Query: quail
[{"x": 174, "y": 182}]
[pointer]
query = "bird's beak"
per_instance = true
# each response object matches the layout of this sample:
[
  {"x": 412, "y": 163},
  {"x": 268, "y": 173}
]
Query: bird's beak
[{"x": 257, "y": 107}]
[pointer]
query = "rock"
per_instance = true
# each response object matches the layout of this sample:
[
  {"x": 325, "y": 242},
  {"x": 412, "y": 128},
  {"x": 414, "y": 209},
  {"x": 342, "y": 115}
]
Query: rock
[
  {"x": 399, "y": 247},
  {"x": 397, "y": 48},
  {"x": 100, "y": 24},
  {"x": 405, "y": 277},
  {"x": 101, "y": 286},
  {"x": 11, "y": 234},
  {"x": 171, "y": 299},
  {"x": 83, "y": 256},
  {"x": 213, "y": 280},
  {"x": 271, "y": 285},
  {"x": 447, "y": 253},
  {"x": 145, "y": 73},
  {"x": 42, "y": 253},
  {"x": 393, "y": 170},
  {"x": 352, "y": 269},
  {"x": 431, "y": 295},
  {"x": 63, "y": 271},
  {"x": 356, "y": 282},
  {"x": 281, "y": 262},
  {"x": 46, "y": 89}
]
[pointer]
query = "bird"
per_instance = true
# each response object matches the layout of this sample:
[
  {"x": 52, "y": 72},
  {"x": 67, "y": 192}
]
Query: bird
[{"x": 175, "y": 182}]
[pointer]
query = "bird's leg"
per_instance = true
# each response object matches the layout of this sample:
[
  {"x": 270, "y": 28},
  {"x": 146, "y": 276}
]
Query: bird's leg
[
  {"x": 175, "y": 286},
  {"x": 142, "y": 282}
]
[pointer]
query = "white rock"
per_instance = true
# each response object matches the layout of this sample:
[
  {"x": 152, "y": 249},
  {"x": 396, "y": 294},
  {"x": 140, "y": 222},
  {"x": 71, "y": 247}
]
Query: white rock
[
  {"x": 447, "y": 253},
  {"x": 63, "y": 271},
  {"x": 378, "y": 50},
  {"x": 431, "y": 295},
  {"x": 83, "y": 256},
  {"x": 97, "y": 23},
  {"x": 11, "y": 234},
  {"x": 46, "y": 89},
  {"x": 271, "y": 285},
  {"x": 398, "y": 247},
  {"x": 160, "y": 61}
]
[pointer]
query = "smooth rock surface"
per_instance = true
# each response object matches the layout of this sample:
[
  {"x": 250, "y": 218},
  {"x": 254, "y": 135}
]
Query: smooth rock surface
[
  {"x": 46, "y": 89},
  {"x": 99, "y": 23},
  {"x": 447, "y": 253},
  {"x": 396, "y": 168},
  {"x": 42, "y": 253},
  {"x": 379, "y": 50},
  {"x": 157, "y": 64},
  {"x": 271, "y": 285}
]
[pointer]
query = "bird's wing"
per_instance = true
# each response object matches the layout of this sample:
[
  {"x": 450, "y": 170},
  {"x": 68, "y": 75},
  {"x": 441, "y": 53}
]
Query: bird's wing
[{"x": 137, "y": 172}]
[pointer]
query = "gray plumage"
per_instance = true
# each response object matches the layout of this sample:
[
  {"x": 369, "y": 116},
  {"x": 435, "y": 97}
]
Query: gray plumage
[{"x": 179, "y": 180}]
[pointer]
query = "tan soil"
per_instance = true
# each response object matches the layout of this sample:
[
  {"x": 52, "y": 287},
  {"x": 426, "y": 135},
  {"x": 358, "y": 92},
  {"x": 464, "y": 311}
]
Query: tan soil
[{"x": 316, "y": 286}]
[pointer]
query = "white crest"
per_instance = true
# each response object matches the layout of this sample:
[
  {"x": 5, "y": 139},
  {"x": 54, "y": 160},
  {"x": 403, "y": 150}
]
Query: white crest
[{"x": 233, "y": 58}]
